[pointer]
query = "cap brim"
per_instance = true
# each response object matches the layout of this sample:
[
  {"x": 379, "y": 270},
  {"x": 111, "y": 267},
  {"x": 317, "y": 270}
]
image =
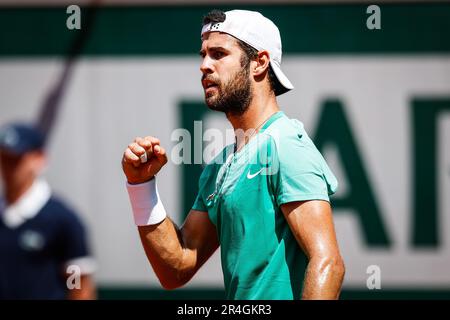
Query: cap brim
[{"x": 286, "y": 85}]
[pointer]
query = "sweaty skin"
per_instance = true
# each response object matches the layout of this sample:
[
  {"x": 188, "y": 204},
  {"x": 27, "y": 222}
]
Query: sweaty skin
[{"x": 312, "y": 225}]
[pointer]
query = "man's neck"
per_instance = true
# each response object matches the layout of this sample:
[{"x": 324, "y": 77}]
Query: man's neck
[
  {"x": 14, "y": 192},
  {"x": 259, "y": 111}
]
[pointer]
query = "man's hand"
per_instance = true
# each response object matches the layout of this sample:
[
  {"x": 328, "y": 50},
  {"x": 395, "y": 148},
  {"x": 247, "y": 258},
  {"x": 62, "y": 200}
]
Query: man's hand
[{"x": 148, "y": 148}]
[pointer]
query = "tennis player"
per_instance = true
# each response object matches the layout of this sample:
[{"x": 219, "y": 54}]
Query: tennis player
[{"x": 264, "y": 200}]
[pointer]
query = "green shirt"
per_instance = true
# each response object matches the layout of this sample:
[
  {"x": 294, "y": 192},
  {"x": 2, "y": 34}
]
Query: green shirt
[{"x": 261, "y": 258}]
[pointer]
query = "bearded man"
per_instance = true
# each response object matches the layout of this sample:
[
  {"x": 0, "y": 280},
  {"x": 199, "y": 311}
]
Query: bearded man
[{"x": 264, "y": 199}]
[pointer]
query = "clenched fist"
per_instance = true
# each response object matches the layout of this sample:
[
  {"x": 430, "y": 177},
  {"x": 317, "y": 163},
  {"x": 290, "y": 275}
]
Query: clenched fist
[{"x": 143, "y": 159}]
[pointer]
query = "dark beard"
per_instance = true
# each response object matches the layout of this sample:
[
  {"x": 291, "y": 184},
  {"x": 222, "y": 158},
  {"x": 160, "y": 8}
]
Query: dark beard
[{"x": 235, "y": 96}]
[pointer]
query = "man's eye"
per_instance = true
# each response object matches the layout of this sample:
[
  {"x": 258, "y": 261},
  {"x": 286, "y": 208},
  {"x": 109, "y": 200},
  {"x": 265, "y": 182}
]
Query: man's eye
[{"x": 218, "y": 54}]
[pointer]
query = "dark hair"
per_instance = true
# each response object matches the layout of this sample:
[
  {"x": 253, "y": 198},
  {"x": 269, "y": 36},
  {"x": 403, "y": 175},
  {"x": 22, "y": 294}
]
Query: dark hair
[
  {"x": 250, "y": 53},
  {"x": 214, "y": 16}
]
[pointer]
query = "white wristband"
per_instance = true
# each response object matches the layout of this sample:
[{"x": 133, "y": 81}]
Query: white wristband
[{"x": 146, "y": 204}]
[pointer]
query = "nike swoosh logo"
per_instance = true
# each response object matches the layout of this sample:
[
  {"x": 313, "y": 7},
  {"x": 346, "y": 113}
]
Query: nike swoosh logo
[{"x": 251, "y": 176}]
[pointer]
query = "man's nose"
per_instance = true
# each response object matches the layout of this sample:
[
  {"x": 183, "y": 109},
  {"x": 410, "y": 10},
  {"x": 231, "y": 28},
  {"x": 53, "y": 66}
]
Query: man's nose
[{"x": 206, "y": 67}]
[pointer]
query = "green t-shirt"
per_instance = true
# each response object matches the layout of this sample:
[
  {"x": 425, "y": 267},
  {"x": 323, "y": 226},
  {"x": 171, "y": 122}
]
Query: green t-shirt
[{"x": 261, "y": 258}]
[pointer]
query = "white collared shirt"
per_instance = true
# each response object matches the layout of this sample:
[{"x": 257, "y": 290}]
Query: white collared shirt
[{"x": 28, "y": 205}]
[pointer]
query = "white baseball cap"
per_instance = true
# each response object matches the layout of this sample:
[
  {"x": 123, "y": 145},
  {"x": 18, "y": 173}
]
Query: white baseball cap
[{"x": 257, "y": 31}]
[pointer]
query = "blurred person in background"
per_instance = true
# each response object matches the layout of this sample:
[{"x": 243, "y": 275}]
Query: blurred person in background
[{"x": 40, "y": 236}]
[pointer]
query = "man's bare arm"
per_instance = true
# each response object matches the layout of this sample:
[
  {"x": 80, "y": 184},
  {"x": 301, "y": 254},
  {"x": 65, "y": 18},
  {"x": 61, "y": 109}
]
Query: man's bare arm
[
  {"x": 177, "y": 254},
  {"x": 174, "y": 253},
  {"x": 312, "y": 224}
]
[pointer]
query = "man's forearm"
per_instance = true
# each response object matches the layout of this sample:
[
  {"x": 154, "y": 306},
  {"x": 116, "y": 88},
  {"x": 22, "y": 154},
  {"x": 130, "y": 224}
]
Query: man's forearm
[
  {"x": 163, "y": 245},
  {"x": 323, "y": 279}
]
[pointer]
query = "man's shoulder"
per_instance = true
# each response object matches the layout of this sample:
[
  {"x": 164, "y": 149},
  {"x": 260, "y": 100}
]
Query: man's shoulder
[
  {"x": 285, "y": 127},
  {"x": 287, "y": 132},
  {"x": 291, "y": 143}
]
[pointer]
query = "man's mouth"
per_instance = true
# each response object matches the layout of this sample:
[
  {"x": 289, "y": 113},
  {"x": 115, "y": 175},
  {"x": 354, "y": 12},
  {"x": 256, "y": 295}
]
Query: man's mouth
[
  {"x": 207, "y": 84},
  {"x": 211, "y": 88}
]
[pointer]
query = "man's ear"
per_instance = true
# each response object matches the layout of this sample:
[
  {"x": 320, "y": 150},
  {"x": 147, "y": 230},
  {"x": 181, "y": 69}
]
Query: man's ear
[{"x": 262, "y": 63}]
